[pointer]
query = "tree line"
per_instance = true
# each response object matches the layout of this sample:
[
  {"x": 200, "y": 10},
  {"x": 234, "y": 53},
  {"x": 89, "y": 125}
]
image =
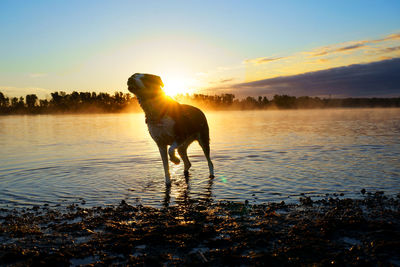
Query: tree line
[
  {"x": 75, "y": 102},
  {"x": 92, "y": 102},
  {"x": 228, "y": 101}
]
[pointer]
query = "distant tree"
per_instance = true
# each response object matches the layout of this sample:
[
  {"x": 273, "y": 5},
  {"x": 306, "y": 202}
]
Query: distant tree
[
  {"x": 285, "y": 101},
  {"x": 75, "y": 97},
  {"x": 265, "y": 101},
  {"x": 17, "y": 105},
  {"x": 14, "y": 102},
  {"x": 4, "y": 101},
  {"x": 31, "y": 100},
  {"x": 56, "y": 98},
  {"x": 103, "y": 102},
  {"x": 227, "y": 99},
  {"x": 251, "y": 100},
  {"x": 43, "y": 103},
  {"x": 21, "y": 103}
]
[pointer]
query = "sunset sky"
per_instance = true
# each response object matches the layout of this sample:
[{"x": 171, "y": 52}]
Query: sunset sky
[{"x": 195, "y": 46}]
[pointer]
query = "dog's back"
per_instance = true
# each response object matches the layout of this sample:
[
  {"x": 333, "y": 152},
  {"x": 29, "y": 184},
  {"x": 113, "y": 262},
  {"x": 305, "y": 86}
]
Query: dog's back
[{"x": 190, "y": 122}]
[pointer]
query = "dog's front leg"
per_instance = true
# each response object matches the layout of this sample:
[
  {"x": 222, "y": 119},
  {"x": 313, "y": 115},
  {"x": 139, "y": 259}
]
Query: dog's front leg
[
  {"x": 164, "y": 157},
  {"x": 171, "y": 152}
]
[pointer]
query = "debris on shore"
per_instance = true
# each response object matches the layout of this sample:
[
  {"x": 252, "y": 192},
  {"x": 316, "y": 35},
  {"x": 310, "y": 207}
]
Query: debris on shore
[{"x": 328, "y": 231}]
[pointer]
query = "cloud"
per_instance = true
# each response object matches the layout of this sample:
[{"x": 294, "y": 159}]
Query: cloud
[
  {"x": 390, "y": 49},
  {"x": 377, "y": 79},
  {"x": 345, "y": 47},
  {"x": 350, "y": 47},
  {"x": 262, "y": 60},
  {"x": 226, "y": 80},
  {"x": 395, "y": 36},
  {"x": 320, "y": 58},
  {"x": 326, "y": 51},
  {"x": 222, "y": 81}
]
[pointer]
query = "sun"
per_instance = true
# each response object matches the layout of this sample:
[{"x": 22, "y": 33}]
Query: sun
[{"x": 174, "y": 86}]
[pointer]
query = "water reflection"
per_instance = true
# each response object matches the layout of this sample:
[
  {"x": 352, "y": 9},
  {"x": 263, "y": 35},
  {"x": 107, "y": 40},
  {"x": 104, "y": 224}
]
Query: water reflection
[
  {"x": 184, "y": 197},
  {"x": 258, "y": 156}
]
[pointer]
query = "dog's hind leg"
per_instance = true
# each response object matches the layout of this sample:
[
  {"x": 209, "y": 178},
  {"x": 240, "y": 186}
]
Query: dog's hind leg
[
  {"x": 205, "y": 145},
  {"x": 164, "y": 157},
  {"x": 182, "y": 150},
  {"x": 171, "y": 152}
]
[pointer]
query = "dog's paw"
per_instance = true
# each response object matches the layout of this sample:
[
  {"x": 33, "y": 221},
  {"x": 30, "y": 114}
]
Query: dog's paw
[{"x": 175, "y": 160}]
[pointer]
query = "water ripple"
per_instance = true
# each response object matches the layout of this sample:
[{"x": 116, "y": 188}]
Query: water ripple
[{"x": 258, "y": 156}]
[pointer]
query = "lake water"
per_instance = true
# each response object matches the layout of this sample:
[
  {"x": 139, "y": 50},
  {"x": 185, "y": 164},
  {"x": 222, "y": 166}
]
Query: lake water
[{"x": 259, "y": 156}]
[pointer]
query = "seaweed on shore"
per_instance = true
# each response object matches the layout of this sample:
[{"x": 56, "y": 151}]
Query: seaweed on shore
[{"x": 334, "y": 231}]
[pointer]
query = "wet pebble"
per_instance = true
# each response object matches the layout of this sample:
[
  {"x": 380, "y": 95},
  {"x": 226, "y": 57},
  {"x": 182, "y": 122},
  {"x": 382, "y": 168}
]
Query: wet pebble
[{"x": 338, "y": 231}]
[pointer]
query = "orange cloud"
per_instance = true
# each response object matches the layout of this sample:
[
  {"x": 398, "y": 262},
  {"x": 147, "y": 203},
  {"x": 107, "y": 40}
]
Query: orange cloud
[
  {"x": 352, "y": 46},
  {"x": 390, "y": 49},
  {"x": 262, "y": 60},
  {"x": 395, "y": 36},
  {"x": 327, "y": 51},
  {"x": 319, "y": 58}
]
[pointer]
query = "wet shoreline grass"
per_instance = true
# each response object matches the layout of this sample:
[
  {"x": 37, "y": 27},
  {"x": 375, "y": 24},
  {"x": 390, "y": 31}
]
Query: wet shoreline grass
[{"x": 332, "y": 230}]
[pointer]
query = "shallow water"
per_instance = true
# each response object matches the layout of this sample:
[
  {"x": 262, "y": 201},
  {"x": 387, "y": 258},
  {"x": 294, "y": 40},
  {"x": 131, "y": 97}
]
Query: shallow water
[{"x": 258, "y": 156}]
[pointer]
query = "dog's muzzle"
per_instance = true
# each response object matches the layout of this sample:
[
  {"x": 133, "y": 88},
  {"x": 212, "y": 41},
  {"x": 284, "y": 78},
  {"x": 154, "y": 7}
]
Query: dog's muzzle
[
  {"x": 135, "y": 83},
  {"x": 132, "y": 84}
]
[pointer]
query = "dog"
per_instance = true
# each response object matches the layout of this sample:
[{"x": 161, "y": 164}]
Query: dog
[{"x": 170, "y": 123}]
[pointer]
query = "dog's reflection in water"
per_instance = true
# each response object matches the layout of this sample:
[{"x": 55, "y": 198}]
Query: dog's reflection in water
[{"x": 183, "y": 198}]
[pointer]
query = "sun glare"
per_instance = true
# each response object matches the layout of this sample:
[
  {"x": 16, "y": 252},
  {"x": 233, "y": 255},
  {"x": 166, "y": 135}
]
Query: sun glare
[{"x": 174, "y": 86}]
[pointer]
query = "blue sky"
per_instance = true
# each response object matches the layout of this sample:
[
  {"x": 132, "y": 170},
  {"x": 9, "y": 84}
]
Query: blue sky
[{"x": 96, "y": 45}]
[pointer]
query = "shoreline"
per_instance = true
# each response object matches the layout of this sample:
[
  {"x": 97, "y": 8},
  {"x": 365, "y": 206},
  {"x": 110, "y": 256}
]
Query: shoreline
[
  {"x": 332, "y": 230},
  {"x": 221, "y": 109}
]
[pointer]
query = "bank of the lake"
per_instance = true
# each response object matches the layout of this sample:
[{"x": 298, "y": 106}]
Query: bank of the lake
[{"x": 331, "y": 231}]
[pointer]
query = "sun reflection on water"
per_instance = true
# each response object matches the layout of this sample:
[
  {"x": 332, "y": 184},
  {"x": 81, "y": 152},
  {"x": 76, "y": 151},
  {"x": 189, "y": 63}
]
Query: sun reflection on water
[{"x": 269, "y": 154}]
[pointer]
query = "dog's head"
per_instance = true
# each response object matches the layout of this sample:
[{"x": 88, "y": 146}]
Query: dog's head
[{"x": 145, "y": 85}]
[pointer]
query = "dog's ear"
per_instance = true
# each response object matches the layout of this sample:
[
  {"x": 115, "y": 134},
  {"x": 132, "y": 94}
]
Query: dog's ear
[
  {"x": 151, "y": 79},
  {"x": 159, "y": 81}
]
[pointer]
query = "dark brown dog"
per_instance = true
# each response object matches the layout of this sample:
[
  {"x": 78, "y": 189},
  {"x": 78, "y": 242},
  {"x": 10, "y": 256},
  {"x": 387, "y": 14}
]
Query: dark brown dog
[{"x": 170, "y": 123}]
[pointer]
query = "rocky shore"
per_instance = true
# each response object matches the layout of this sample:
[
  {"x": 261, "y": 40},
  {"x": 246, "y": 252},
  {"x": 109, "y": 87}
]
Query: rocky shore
[{"x": 329, "y": 231}]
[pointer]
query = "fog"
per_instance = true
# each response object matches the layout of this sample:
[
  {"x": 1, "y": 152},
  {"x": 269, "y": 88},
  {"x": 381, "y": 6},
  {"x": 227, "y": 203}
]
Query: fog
[{"x": 86, "y": 102}]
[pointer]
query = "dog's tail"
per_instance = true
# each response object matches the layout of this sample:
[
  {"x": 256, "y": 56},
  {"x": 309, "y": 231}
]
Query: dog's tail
[
  {"x": 205, "y": 131},
  {"x": 204, "y": 134},
  {"x": 204, "y": 141}
]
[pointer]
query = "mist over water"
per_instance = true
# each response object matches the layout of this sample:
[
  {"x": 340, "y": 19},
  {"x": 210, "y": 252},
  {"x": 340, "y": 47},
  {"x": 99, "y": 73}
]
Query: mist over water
[{"x": 258, "y": 156}]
